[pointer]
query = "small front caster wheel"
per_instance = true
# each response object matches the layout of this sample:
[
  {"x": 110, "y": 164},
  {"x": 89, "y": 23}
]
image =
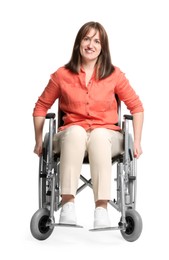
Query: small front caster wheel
[
  {"x": 39, "y": 228},
  {"x": 133, "y": 226}
]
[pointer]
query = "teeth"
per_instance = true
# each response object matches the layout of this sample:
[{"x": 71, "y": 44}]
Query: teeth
[{"x": 89, "y": 51}]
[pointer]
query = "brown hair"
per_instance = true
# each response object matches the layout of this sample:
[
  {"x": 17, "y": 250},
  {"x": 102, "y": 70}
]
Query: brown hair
[{"x": 104, "y": 66}]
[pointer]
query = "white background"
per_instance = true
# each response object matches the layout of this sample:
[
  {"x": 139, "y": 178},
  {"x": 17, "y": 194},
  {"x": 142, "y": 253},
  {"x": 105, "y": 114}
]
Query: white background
[{"x": 36, "y": 37}]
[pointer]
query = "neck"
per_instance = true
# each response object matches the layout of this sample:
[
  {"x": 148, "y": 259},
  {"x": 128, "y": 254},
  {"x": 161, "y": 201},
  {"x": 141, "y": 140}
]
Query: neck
[{"x": 88, "y": 65}]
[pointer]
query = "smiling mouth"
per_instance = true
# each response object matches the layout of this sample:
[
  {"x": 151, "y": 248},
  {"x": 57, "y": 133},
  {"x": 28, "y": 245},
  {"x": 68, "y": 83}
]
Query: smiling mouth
[{"x": 89, "y": 51}]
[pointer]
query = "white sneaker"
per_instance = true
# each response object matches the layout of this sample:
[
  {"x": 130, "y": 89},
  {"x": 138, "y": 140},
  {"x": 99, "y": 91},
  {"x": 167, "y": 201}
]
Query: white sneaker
[
  {"x": 67, "y": 214},
  {"x": 101, "y": 218}
]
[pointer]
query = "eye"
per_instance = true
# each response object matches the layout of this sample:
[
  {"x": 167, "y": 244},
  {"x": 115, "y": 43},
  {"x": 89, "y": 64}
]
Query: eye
[
  {"x": 86, "y": 38},
  {"x": 97, "y": 41}
]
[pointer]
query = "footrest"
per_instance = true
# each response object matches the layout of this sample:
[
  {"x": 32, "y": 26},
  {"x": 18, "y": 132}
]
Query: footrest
[
  {"x": 106, "y": 229},
  {"x": 67, "y": 225}
]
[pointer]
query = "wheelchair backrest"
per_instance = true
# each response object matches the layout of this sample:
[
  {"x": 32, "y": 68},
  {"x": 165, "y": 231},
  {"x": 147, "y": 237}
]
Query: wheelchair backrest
[{"x": 61, "y": 113}]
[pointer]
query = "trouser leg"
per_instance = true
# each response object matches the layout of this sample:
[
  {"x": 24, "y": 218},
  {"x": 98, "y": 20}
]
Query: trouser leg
[
  {"x": 72, "y": 147},
  {"x": 102, "y": 145}
]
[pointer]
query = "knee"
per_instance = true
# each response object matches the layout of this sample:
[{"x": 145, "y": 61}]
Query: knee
[
  {"x": 99, "y": 135},
  {"x": 75, "y": 132}
]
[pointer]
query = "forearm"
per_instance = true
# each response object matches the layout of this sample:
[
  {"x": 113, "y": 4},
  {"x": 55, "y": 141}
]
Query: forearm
[
  {"x": 138, "y": 119},
  {"x": 38, "y": 126},
  {"x": 137, "y": 128}
]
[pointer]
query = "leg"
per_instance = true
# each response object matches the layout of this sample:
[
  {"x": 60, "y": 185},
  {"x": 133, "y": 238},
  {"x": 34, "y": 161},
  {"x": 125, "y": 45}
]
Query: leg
[
  {"x": 73, "y": 146},
  {"x": 56, "y": 148},
  {"x": 99, "y": 152},
  {"x": 101, "y": 203},
  {"x": 102, "y": 145}
]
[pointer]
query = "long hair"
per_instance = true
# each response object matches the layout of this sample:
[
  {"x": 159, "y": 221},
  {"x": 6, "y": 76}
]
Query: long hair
[{"x": 104, "y": 66}]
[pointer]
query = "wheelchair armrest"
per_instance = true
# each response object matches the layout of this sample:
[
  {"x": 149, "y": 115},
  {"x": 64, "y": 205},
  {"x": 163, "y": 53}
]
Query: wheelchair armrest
[
  {"x": 50, "y": 115},
  {"x": 129, "y": 117}
]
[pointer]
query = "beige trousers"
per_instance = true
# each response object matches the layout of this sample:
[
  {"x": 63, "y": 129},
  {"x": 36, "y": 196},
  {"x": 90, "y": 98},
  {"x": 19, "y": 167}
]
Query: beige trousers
[{"x": 100, "y": 144}]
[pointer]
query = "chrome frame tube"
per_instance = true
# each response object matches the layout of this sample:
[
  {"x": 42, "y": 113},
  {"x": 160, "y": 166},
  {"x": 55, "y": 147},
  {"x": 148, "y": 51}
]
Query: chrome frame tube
[
  {"x": 40, "y": 181},
  {"x": 122, "y": 184},
  {"x": 50, "y": 144},
  {"x": 52, "y": 202},
  {"x": 126, "y": 147},
  {"x": 135, "y": 181}
]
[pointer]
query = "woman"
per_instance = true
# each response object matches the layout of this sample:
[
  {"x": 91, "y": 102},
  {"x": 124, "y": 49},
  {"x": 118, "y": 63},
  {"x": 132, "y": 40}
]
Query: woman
[{"x": 86, "y": 88}]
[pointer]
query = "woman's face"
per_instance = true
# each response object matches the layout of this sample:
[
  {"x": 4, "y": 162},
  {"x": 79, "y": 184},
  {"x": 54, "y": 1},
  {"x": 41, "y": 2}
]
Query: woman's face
[{"x": 90, "y": 46}]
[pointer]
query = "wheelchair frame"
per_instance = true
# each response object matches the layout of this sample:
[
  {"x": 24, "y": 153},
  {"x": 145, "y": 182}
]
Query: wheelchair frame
[{"x": 43, "y": 221}]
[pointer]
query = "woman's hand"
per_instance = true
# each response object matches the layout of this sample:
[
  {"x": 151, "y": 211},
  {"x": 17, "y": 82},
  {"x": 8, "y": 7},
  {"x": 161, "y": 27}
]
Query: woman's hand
[
  {"x": 38, "y": 149},
  {"x": 137, "y": 149}
]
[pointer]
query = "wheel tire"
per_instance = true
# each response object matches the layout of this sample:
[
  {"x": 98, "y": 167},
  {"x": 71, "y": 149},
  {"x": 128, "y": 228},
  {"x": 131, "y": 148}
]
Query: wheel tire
[
  {"x": 134, "y": 226},
  {"x": 38, "y": 223}
]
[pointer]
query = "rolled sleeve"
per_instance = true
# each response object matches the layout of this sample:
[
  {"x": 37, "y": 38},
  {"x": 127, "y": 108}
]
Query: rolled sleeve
[
  {"x": 47, "y": 98},
  {"x": 127, "y": 94}
]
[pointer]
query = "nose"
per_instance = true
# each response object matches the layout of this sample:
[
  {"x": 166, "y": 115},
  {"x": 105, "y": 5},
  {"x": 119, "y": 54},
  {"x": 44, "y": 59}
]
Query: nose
[{"x": 90, "y": 44}]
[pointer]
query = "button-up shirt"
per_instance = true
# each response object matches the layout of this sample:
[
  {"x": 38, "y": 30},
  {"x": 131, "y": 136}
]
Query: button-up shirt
[{"x": 90, "y": 106}]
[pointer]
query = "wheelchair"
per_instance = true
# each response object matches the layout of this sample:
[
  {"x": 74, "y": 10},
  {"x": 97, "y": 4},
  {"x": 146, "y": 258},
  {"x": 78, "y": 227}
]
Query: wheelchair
[{"x": 43, "y": 222}]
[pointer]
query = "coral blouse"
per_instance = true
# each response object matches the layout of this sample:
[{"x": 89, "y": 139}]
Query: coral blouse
[{"x": 89, "y": 106}]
